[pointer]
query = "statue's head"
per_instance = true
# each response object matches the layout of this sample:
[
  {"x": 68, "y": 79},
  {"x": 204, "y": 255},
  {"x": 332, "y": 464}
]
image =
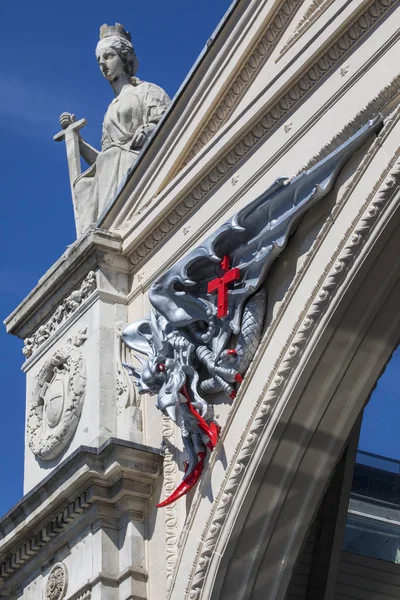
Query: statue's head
[{"x": 115, "y": 53}]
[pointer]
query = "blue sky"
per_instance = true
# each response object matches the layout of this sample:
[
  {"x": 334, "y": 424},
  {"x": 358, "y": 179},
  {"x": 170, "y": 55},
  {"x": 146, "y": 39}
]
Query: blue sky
[
  {"x": 49, "y": 67},
  {"x": 381, "y": 424}
]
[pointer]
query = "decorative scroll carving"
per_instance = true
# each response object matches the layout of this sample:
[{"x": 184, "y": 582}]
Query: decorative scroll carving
[
  {"x": 57, "y": 400},
  {"x": 189, "y": 336},
  {"x": 271, "y": 120},
  {"x": 126, "y": 395},
  {"x": 259, "y": 55},
  {"x": 68, "y": 307},
  {"x": 357, "y": 233},
  {"x": 312, "y": 14},
  {"x": 56, "y": 586}
]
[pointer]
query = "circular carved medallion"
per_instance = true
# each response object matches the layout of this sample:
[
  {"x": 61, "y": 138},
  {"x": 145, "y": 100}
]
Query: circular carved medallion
[
  {"x": 57, "y": 402},
  {"x": 57, "y": 582}
]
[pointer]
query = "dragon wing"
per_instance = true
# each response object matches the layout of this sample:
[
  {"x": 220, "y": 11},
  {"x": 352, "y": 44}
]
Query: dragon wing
[{"x": 252, "y": 239}]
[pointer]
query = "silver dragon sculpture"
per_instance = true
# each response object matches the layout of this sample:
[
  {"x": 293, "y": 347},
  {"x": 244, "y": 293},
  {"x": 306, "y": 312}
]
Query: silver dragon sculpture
[{"x": 208, "y": 309}]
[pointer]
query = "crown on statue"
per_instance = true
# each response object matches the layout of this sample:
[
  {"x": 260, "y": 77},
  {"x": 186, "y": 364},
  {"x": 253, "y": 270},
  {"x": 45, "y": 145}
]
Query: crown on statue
[{"x": 114, "y": 30}]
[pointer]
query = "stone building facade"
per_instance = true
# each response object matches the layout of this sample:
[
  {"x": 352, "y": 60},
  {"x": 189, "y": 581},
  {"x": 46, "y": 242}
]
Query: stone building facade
[{"x": 281, "y": 86}]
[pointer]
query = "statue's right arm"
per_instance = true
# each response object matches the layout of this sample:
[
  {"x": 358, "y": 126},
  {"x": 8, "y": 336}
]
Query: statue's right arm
[{"x": 88, "y": 153}]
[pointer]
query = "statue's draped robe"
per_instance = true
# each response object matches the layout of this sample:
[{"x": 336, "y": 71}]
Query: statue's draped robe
[{"x": 136, "y": 106}]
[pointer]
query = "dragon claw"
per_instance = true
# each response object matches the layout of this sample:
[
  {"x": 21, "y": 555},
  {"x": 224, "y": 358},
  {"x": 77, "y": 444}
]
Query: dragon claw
[
  {"x": 186, "y": 484},
  {"x": 210, "y": 429}
]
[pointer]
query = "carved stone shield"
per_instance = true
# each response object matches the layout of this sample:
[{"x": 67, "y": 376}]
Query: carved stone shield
[
  {"x": 57, "y": 400},
  {"x": 53, "y": 395}
]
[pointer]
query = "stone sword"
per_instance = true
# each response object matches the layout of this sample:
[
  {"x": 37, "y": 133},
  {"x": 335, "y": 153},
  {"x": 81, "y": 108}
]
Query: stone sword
[{"x": 69, "y": 133}]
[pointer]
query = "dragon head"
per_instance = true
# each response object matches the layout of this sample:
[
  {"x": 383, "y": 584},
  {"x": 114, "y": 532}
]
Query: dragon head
[{"x": 161, "y": 373}]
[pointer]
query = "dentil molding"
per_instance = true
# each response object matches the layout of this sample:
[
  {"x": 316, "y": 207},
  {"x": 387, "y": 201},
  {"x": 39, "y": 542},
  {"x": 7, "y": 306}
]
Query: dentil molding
[
  {"x": 116, "y": 477},
  {"x": 42, "y": 536}
]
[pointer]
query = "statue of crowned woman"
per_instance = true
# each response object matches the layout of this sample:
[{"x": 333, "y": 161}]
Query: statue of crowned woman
[{"x": 130, "y": 119}]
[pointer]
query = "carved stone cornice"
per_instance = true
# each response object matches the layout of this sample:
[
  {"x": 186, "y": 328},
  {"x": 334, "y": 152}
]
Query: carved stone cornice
[
  {"x": 274, "y": 116},
  {"x": 312, "y": 14},
  {"x": 116, "y": 472},
  {"x": 245, "y": 75},
  {"x": 385, "y": 192},
  {"x": 62, "y": 314},
  {"x": 65, "y": 276}
]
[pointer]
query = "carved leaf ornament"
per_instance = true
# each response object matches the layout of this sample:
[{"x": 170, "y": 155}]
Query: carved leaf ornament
[
  {"x": 208, "y": 309},
  {"x": 57, "y": 401},
  {"x": 66, "y": 309}
]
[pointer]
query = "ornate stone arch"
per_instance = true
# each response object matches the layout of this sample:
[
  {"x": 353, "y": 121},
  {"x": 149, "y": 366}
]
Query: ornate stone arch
[
  {"x": 294, "y": 465},
  {"x": 279, "y": 466}
]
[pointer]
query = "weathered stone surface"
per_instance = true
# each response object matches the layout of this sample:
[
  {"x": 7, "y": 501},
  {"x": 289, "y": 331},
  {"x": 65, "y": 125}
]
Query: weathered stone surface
[{"x": 111, "y": 485}]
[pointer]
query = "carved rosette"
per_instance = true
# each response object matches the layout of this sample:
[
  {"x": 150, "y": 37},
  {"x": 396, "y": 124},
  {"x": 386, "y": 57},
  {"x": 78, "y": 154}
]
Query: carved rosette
[
  {"x": 57, "y": 582},
  {"x": 57, "y": 400}
]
